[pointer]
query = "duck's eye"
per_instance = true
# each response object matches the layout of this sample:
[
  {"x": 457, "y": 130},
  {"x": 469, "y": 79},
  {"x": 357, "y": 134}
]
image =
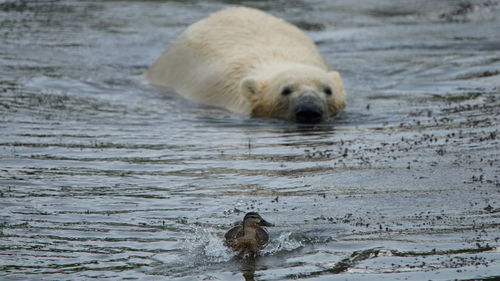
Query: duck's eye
[
  {"x": 328, "y": 91},
  {"x": 286, "y": 91}
]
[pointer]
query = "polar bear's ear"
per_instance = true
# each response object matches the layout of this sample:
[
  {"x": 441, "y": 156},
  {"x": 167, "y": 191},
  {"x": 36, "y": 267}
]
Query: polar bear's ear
[
  {"x": 249, "y": 87},
  {"x": 339, "y": 84}
]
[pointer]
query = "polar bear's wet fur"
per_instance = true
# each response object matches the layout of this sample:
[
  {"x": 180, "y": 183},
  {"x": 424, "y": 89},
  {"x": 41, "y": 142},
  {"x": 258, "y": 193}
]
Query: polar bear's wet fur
[{"x": 250, "y": 62}]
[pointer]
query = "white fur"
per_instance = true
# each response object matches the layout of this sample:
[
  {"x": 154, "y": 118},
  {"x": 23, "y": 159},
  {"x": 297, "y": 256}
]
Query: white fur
[{"x": 210, "y": 60}]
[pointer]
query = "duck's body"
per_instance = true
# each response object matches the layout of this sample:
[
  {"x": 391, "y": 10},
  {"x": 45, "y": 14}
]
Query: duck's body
[{"x": 250, "y": 236}]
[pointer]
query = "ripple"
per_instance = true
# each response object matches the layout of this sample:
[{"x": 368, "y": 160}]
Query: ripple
[{"x": 103, "y": 177}]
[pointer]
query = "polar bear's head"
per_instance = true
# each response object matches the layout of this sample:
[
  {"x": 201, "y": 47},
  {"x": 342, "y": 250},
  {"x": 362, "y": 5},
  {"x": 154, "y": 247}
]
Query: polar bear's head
[{"x": 305, "y": 95}]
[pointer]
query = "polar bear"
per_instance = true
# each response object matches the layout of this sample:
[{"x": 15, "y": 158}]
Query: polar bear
[{"x": 250, "y": 62}]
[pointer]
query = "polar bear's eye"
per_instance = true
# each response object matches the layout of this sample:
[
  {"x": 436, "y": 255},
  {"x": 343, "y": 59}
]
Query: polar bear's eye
[
  {"x": 286, "y": 91},
  {"x": 328, "y": 91}
]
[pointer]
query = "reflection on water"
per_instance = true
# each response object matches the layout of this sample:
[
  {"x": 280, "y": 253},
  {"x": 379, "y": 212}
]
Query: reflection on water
[
  {"x": 248, "y": 268},
  {"x": 104, "y": 177}
]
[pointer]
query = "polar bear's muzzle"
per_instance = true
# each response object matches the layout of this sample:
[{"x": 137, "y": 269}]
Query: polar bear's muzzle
[
  {"x": 308, "y": 113},
  {"x": 308, "y": 109}
]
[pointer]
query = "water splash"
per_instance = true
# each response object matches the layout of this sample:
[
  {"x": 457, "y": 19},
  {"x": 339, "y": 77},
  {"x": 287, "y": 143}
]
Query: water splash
[
  {"x": 286, "y": 242},
  {"x": 206, "y": 247},
  {"x": 202, "y": 250}
]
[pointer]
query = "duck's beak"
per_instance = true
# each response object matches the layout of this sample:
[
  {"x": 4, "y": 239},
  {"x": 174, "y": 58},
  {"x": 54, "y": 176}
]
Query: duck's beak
[{"x": 263, "y": 222}]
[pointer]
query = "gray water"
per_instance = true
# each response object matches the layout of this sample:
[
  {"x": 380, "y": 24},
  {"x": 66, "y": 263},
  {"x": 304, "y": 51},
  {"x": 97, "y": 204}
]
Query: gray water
[{"x": 104, "y": 177}]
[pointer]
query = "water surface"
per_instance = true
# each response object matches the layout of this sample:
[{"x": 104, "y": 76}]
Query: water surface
[{"x": 104, "y": 177}]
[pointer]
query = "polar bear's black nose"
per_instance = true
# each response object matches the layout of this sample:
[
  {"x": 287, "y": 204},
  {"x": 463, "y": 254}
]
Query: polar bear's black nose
[{"x": 308, "y": 113}]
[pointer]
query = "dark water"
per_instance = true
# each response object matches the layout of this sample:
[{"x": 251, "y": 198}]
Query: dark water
[{"x": 103, "y": 177}]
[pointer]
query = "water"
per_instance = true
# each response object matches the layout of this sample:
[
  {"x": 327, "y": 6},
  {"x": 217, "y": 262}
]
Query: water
[{"x": 103, "y": 177}]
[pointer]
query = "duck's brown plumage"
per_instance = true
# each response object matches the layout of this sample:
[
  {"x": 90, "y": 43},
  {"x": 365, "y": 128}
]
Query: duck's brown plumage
[{"x": 250, "y": 236}]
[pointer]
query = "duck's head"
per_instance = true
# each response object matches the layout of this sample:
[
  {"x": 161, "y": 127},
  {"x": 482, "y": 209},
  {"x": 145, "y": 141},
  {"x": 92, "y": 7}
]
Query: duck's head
[{"x": 253, "y": 219}]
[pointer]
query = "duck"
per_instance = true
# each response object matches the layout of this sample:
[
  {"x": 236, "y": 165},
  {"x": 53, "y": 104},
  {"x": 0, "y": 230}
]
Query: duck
[{"x": 250, "y": 236}]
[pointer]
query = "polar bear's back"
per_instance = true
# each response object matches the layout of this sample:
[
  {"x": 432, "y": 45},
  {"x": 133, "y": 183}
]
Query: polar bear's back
[
  {"x": 237, "y": 32},
  {"x": 208, "y": 60}
]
